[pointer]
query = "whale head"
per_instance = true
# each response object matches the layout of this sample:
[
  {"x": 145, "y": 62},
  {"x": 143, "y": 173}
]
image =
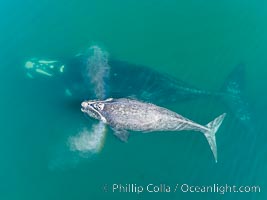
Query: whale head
[
  {"x": 46, "y": 68},
  {"x": 94, "y": 108}
]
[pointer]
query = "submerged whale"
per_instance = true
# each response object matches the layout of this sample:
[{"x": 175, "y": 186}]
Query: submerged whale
[
  {"x": 137, "y": 81},
  {"x": 128, "y": 114}
]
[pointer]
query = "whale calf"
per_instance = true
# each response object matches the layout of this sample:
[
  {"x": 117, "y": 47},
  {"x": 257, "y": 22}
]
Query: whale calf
[{"x": 128, "y": 114}]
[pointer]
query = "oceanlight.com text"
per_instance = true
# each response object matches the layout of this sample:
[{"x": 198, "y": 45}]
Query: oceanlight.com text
[{"x": 182, "y": 188}]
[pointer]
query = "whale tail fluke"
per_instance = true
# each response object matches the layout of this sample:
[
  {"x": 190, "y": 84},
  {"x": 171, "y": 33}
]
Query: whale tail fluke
[
  {"x": 232, "y": 95},
  {"x": 210, "y": 134}
]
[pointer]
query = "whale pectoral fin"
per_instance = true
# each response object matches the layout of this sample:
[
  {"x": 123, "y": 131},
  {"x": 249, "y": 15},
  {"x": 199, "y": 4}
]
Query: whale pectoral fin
[{"x": 122, "y": 134}]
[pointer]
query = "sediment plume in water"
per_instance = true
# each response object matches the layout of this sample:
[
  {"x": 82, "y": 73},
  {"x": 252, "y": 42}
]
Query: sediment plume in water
[
  {"x": 96, "y": 74},
  {"x": 97, "y": 71},
  {"x": 89, "y": 140}
]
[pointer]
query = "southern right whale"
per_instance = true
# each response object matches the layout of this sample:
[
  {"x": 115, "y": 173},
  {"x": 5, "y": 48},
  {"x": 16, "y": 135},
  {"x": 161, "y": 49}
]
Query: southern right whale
[
  {"x": 127, "y": 114},
  {"x": 140, "y": 82}
]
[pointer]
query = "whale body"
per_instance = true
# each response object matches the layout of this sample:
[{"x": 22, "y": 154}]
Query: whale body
[
  {"x": 140, "y": 82},
  {"x": 128, "y": 114}
]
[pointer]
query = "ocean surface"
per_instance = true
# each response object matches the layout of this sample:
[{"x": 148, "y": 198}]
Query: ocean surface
[{"x": 199, "y": 42}]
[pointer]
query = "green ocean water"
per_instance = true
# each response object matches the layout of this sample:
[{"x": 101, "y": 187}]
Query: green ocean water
[{"x": 199, "y": 42}]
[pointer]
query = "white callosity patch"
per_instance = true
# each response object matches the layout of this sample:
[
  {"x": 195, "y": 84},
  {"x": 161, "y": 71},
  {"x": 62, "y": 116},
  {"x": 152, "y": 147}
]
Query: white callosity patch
[
  {"x": 61, "y": 69},
  {"x": 36, "y": 67},
  {"x": 29, "y": 65},
  {"x": 89, "y": 141}
]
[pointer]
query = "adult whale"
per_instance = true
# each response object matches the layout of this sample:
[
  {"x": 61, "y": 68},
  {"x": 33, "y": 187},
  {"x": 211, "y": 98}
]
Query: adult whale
[{"x": 137, "y": 81}]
